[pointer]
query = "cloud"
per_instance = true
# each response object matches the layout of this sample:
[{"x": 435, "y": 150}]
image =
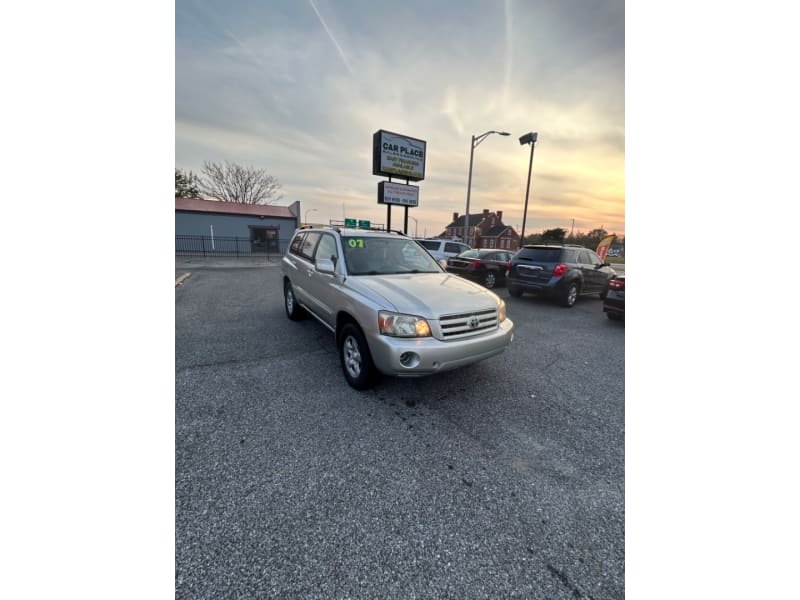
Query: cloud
[
  {"x": 331, "y": 36},
  {"x": 258, "y": 83}
]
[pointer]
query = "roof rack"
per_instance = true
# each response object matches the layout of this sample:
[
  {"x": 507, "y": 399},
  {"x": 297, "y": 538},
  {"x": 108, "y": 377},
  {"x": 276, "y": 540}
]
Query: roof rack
[{"x": 312, "y": 226}]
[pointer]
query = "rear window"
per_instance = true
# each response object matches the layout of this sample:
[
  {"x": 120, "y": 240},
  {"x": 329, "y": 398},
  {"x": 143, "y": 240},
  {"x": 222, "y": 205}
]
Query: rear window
[
  {"x": 433, "y": 245},
  {"x": 453, "y": 247},
  {"x": 570, "y": 255},
  {"x": 473, "y": 254},
  {"x": 539, "y": 254}
]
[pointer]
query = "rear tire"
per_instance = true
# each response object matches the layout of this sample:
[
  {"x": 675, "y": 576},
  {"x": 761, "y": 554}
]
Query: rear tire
[
  {"x": 293, "y": 310},
  {"x": 356, "y": 360},
  {"x": 513, "y": 291},
  {"x": 570, "y": 295},
  {"x": 489, "y": 279},
  {"x": 614, "y": 316}
]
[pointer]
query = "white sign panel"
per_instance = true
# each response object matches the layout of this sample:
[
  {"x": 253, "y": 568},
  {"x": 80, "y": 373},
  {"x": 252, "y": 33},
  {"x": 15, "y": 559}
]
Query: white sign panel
[
  {"x": 397, "y": 193},
  {"x": 396, "y": 155}
]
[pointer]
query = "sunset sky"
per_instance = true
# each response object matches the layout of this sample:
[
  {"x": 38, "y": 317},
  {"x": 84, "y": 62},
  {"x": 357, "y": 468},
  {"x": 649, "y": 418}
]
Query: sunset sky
[{"x": 299, "y": 87}]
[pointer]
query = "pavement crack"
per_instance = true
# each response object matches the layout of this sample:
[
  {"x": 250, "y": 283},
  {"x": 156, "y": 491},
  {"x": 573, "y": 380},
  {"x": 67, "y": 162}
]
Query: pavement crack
[{"x": 576, "y": 592}]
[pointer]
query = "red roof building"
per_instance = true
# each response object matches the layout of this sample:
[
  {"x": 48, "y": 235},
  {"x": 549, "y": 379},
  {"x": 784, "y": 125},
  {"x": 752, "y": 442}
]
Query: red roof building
[{"x": 249, "y": 228}]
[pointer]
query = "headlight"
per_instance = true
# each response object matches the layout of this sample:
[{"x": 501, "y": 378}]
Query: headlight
[
  {"x": 501, "y": 312},
  {"x": 398, "y": 325}
]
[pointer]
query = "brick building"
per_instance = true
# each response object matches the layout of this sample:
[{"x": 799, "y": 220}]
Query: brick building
[{"x": 486, "y": 230}]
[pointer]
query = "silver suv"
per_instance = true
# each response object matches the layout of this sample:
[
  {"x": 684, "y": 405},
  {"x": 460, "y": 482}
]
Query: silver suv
[{"x": 391, "y": 306}]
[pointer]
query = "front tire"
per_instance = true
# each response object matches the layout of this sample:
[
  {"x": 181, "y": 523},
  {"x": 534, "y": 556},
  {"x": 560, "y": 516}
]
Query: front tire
[
  {"x": 356, "y": 360},
  {"x": 514, "y": 292},
  {"x": 293, "y": 310},
  {"x": 570, "y": 295}
]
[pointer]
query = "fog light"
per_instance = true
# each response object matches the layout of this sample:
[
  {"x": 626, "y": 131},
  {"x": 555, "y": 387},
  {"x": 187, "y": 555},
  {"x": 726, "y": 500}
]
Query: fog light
[{"x": 409, "y": 359}]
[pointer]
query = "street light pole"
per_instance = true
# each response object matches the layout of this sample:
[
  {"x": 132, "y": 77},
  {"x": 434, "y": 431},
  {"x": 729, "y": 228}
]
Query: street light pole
[
  {"x": 528, "y": 138},
  {"x": 415, "y": 225},
  {"x": 475, "y": 141}
]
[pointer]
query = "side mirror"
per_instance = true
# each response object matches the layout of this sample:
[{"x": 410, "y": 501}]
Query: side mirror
[{"x": 325, "y": 265}]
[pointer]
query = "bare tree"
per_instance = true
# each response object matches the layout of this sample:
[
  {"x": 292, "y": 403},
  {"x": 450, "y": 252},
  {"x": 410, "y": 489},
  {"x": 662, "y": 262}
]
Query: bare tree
[{"x": 229, "y": 182}]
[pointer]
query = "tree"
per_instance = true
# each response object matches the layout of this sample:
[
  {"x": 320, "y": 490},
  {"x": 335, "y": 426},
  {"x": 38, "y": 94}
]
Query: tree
[
  {"x": 594, "y": 236},
  {"x": 229, "y": 182},
  {"x": 186, "y": 186},
  {"x": 554, "y": 236}
]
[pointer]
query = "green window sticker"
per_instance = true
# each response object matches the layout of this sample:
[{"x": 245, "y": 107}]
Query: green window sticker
[{"x": 359, "y": 243}]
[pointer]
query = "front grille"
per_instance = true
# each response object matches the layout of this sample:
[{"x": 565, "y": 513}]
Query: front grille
[{"x": 460, "y": 326}]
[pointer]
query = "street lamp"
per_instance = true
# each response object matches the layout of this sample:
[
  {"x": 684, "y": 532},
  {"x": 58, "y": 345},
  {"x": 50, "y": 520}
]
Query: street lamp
[
  {"x": 528, "y": 138},
  {"x": 475, "y": 141},
  {"x": 308, "y": 211},
  {"x": 415, "y": 225}
]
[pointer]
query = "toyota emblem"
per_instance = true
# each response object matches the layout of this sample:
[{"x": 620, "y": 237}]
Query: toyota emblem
[{"x": 473, "y": 322}]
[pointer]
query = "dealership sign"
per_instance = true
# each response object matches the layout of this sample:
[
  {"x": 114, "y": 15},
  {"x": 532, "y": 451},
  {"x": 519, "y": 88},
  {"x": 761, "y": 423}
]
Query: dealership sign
[
  {"x": 397, "y": 193},
  {"x": 395, "y": 155}
]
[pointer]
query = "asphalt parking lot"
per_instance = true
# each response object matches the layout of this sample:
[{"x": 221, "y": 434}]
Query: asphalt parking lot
[{"x": 500, "y": 480}]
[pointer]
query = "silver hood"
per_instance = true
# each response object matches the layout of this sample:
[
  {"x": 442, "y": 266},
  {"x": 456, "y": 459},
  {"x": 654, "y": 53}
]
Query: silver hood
[{"x": 416, "y": 294}]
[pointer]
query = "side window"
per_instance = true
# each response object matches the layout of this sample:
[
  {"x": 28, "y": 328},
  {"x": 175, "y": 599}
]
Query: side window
[
  {"x": 327, "y": 249},
  {"x": 570, "y": 255},
  {"x": 453, "y": 247},
  {"x": 297, "y": 243},
  {"x": 431, "y": 245},
  {"x": 594, "y": 259},
  {"x": 584, "y": 257},
  {"x": 307, "y": 249}
]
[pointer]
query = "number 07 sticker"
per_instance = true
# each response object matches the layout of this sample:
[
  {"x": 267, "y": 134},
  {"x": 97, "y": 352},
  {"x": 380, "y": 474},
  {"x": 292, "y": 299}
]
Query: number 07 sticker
[{"x": 359, "y": 243}]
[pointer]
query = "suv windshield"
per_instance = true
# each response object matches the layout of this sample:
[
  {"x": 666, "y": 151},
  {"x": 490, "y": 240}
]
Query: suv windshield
[{"x": 370, "y": 255}]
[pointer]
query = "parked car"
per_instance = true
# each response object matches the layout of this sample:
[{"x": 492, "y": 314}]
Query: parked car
[
  {"x": 441, "y": 250},
  {"x": 614, "y": 302},
  {"x": 486, "y": 266},
  {"x": 390, "y": 305},
  {"x": 562, "y": 272}
]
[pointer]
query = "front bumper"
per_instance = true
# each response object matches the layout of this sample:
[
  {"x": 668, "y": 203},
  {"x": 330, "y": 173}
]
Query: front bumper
[{"x": 402, "y": 357}]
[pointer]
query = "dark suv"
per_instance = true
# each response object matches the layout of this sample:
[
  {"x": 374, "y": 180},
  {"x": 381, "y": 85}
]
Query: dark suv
[{"x": 561, "y": 272}]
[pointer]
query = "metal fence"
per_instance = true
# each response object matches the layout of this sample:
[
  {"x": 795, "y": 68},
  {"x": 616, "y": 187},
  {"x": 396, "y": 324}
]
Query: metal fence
[{"x": 228, "y": 247}]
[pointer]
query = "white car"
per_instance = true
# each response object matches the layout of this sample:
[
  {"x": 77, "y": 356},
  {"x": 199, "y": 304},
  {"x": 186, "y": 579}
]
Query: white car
[
  {"x": 391, "y": 306},
  {"x": 441, "y": 250}
]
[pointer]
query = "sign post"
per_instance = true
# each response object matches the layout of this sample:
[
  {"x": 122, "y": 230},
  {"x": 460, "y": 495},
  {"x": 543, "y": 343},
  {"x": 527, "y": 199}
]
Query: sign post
[{"x": 396, "y": 155}]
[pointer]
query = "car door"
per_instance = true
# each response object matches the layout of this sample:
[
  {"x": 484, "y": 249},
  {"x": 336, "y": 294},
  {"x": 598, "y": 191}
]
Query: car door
[
  {"x": 593, "y": 277},
  {"x": 304, "y": 262},
  {"x": 321, "y": 287},
  {"x": 602, "y": 273}
]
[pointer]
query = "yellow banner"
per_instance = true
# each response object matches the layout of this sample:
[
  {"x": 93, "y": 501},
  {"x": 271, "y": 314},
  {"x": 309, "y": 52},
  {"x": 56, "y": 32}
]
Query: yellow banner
[{"x": 604, "y": 245}]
